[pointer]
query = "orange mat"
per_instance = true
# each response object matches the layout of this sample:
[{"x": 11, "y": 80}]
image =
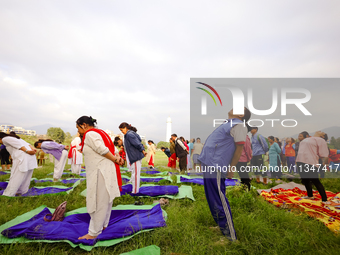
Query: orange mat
[{"x": 291, "y": 198}]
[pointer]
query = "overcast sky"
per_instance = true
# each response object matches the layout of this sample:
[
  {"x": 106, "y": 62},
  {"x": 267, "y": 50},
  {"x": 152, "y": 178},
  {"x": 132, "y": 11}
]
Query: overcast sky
[{"x": 132, "y": 60}]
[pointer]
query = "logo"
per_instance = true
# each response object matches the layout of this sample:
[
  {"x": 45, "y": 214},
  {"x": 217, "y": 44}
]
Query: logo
[
  {"x": 204, "y": 99},
  {"x": 239, "y": 100}
]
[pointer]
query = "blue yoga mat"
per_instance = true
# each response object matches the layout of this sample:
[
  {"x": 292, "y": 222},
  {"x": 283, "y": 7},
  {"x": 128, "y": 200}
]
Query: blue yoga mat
[
  {"x": 148, "y": 168},
  {"x": 200, "y": 181},
  {"x": 65, "y": 181},
  {"x": 43, "y": 191},
  {"x": 143, "y": 179},
  {"x": 122, "y": 223},
  {"x": 152, "y": 191},
  {"x": 3, "y": 185},
  {"x": 151, "y": 172}
]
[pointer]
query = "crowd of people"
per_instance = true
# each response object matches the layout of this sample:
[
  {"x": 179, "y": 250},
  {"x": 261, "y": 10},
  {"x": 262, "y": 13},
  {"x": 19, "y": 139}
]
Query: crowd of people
[{"x": 232, "y": 144}]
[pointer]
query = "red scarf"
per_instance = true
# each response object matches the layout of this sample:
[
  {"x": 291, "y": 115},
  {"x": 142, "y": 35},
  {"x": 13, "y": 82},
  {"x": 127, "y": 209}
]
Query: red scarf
[
  {"x": 70, "y": 152},
  {"x": 109, "y": 144}
]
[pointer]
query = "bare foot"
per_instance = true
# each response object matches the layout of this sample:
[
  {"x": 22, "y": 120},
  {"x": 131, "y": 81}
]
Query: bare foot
[
  {"x": 104, "y": 228},
  {"x": 87, "y": 236}
]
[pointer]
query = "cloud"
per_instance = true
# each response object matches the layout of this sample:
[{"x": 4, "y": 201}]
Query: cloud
[{"x": 132, "y": 61}]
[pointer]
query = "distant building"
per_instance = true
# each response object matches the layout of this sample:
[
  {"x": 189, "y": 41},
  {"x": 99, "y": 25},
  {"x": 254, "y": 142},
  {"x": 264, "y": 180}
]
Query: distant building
[
  {"x": 18, "y": 130},
  {"x": 6, "y": 128}
]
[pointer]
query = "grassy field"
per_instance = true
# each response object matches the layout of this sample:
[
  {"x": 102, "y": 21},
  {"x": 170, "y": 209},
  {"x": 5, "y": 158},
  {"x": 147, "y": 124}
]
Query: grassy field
[{"x": 261, "y": 228}]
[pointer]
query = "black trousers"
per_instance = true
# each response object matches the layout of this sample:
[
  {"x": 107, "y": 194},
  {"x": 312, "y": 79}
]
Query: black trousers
[
  {"x": 258, "y": 162},
  {"x": 308, "y": 178},
  {"x": 243, "y": 174},
  {"x": 183, "y": 163},
  {"x": 4, "y": 157}
]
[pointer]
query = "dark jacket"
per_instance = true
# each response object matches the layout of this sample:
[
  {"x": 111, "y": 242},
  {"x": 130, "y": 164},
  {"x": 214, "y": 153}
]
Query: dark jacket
[
  {"x": 167, "y": 152},
  {"x": 180, "y": 152},
  {"x": 133, "y": 146}
]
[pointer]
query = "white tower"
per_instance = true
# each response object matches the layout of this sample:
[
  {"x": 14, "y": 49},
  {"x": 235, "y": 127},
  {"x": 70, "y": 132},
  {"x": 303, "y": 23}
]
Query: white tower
[{"x": 168, "y": 129}]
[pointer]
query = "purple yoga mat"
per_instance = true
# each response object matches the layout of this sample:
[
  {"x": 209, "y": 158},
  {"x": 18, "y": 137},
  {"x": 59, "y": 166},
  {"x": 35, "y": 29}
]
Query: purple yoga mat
[
  {"x": 228, "y": 182},
  {"x": 151, "y": 191},
  {"x": 148, "y": 168},
  {"x": 125, "y": 180},
  {"x": 151, "y": 172},
  {"x": 3, "y": 185},
  {"x": 193, "y": 180},
  {"x": 63, "y": 181},
  {"x": 37, "y": 192},
  {"x": 195, "y": 174},
  {"x": 3, "y": 173},
  {"x": 122, "y": 223},
  {"x": 151, "y": 179}
]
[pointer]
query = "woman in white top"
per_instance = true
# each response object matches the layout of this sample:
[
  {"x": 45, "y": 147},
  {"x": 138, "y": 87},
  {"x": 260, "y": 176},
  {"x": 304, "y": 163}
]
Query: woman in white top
[
  {"x": 24, "y": 162},
  {"x": 150, "y": 154},
  {"x": 101, "y": 175},
  {"x": 75, "y": 157}
]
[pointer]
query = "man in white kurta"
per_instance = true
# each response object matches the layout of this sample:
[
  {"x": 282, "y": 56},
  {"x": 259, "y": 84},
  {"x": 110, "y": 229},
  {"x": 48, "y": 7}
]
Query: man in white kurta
[
  {"x": 101, "y": 182},
  {"x": 77, "y": 156},
  {"x": 23, "y": 166}
]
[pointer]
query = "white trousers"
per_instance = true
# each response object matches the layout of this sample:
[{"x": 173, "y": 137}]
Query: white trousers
[
  {"x": 50, "y": 156},
  {"x": 19, "y": 182},
  {"x": 135, "y": 169},
  {"x": 101, "y": 217},
  {"x": 76, "y": 169},
  {"x": 59, "y": 165}
]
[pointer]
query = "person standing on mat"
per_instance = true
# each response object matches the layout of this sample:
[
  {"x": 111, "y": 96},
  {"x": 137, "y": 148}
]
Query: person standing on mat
[
  {"x": 310, "y": 151},
  {"x": 181, "y": 152},
  {"x": 75, "y": 157},
  {"x": 150, "y": 155},
  {"x": 243, "y": 162},
  {"x": 135, "y": 152},
  {"x": 103, "y": 179},
  {"x": 173, "y": 158},
  {"x": 24, "y": 162},
  {"x": 222, "y": 150},
  {"x": 290, "y": 154},
  {"x": 259, "y": 147},
  {"x": 59, "y": 152},
  {"x": 274, "y": 158}
]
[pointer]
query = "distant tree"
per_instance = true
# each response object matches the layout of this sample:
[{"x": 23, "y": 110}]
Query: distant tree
[
  {"x": 333, "y": 141},
  {"x": 56, "y": 134},
  {"x": 163, "y": 144},
  {"x": 337, "y": 143},
  {"x": 68, "y": 138},
  {"x": 68, "y": 135}
]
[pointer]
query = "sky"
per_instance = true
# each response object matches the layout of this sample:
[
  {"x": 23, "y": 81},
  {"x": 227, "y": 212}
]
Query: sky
[{"x": 132, "y": 60}]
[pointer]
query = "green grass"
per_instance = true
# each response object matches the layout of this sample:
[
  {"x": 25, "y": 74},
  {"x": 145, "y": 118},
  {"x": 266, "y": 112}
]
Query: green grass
[{"x": 261, "y": 227}]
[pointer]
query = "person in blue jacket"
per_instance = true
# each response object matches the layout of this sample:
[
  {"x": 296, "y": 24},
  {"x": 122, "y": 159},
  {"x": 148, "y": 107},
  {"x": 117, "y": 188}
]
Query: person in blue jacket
[
  {"x": 135, "y": 152},
  {"x": 260, "y": 147},
  {"x": 220, "y": 153}
]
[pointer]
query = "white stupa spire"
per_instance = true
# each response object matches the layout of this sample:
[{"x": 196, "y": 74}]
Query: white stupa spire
[{"x": 168, "y": 129}]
